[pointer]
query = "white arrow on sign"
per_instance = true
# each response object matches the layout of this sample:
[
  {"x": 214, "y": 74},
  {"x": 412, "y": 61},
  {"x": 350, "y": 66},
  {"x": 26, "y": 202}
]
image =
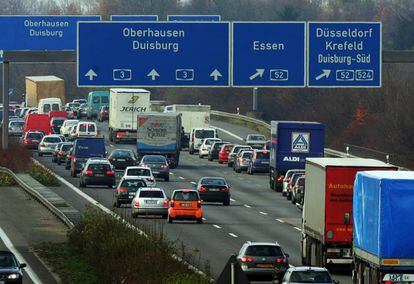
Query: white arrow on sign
[
  {"x": 259, "y": 73},
  {"x": 325, "y": 73},
  {"x": 153, "y": 74},
  {"x": 215, "y": 74},
  {"x": 91, "y": 74}
]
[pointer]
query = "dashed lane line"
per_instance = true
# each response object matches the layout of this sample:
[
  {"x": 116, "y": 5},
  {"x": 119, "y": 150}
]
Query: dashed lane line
[
  {"x": 280, "y": 220},
  {"x": 263, "y": 213},
  {"x": 217, "y": 226},
  {"x": 247, "y": 206},
  {"x": 299, "y": 229},
  {"x": 233, "y": 235},
  {"x": 232, "y": 200}
]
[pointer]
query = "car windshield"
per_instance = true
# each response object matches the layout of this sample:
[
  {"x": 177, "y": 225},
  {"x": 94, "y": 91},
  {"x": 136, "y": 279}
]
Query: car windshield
[
  {"x": 154, "y": 159},
  {"x": 122, "y": 154},
  {"x": 52, "y": 140},
  {"x": 209, "y": 141},
  {"x": 7, "y": 260},
  {"x": 263, "y": 155},
  {"x": 213, "y": 181},
  {"x": 264, "y": 250},
  {"x": 185, "y": 196},
  {"x": 104, "y": 99},
  {"x": 310, "y": 276},
  {"x": 66, "y": 147},
  {"x": 217, "y": 145},
  {"x": 138, "y": 172},
  {"x": 16, "y": 123},
  {"x": 239, "y": 149},
  {"x": 151, "y": 194},
  {"x": 71, "y": 122},
  {"x": 58, "y": 121},
  {"x": 34, "y": 135},
  {"x": 256, "y": 138},
  {"x": 204, "y": 134},
  {"x": 133, "y": 184},
  {"x": 95, "y": 100},
  {"x": 247, "y": 155},
  {"x": 301, "y": 181},
  {"x": 99, "y": 167}
]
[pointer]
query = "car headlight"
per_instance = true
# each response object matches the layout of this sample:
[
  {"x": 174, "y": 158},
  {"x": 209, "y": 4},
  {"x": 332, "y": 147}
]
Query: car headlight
[{"x": 13, "y": 276}]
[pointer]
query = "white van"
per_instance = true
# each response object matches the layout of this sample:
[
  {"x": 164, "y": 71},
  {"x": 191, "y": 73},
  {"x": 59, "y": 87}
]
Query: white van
[
  {"x": 197, "y": 135},
  {"x": 86, "y": 129},
  {"x": 46, "y": 105}
]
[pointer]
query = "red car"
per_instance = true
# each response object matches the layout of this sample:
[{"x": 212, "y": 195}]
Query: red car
[
  {"x": 224, "y": 153},
  {"x": 32, "y": 139}
]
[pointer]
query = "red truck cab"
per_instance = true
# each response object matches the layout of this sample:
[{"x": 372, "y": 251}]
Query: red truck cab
[{"x": 37, "y": 122}]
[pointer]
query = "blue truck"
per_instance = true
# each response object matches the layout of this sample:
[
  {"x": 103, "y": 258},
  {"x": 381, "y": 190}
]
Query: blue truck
[
  {"x": 160, "y": 134},
  {"x": 83, "y": 149},
  {"x": 383, "y": 227},
  {"x": 291, "y": 143}
]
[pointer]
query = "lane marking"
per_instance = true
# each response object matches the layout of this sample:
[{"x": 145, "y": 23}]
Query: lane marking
[
  {"x": 231, "y": 199},
  {"x": 233, "y": 235},
  {"x": 171, "y": 173},
  {"x": 247, "y": 206},
  {"x": 110, "y": 145},
  {"x": 228, "y": 132},
  {"x": 280, "y": 220},
  {"x": 181, "y": 178},
  {"x": 217, "y": 226},
  {"x": 33, "y": 276},
  {"x": 263, "y": 213},
  {"x": 298, "y": 229}
]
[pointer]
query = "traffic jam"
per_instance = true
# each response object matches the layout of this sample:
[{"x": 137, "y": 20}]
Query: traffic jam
[{"x": 335, "y": 195}]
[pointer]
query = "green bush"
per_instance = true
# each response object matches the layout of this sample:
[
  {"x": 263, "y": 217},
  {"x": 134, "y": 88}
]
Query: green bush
[
  {"x": 6, "y": 180},
  {"x": 42, "y": 175}
]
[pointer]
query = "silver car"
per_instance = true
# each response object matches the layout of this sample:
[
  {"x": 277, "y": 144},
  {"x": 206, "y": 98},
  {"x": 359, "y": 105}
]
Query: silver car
[
  {"x": 141, "y": 172},
  {"x": 48, "y": 144},
  {"x": 16, "y": 127},
  {"x": 307, "y": 274},
  {"x": 150, "y": 201}
]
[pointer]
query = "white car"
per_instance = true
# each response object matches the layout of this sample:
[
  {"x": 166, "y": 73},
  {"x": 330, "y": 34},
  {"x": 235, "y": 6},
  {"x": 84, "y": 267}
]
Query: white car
[
  {"x": 150, "y": 201},
  {"x": 197, "y": 135},
  {"x": 86, "y": 129},
  {"x": 306, "y": 274},
  {"x": 48, "y": 144},
  {"x": 206, "y": 146},
  {"x": 257, "y": 141},
  {"x": 66, "y": 126},
  {"x": 141, "y": 172}
]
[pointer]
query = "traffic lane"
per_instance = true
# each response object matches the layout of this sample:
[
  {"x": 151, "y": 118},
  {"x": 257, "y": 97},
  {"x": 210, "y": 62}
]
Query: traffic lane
[
  {"x": 27, "y": 223},
  {"x": 239, "y": 130}
]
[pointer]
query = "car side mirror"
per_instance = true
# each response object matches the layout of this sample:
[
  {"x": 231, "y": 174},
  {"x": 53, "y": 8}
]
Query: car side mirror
[{"x": 22, "y": 265}]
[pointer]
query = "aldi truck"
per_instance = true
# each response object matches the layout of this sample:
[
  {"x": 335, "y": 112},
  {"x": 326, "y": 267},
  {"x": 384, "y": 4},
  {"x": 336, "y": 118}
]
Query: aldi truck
[
  {"x": 160, "y": 134},
  {"x": 383, "y": 227},
  {"x": 327, "y": 229},
  {"x": 124, "y": 107},
  {"x": 291, "y": 143}
]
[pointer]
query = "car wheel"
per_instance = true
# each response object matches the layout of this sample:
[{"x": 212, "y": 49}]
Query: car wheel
[
  {"x": 58, "y": 162},
  {"x": 210, "y": 159},
  {"x": 293, "y": 200},
  {"x": 288, "y": 196},
  {"x": 40, "y": 154},
  {"x": 199, "y": 220},
  {"x": 67, "y": 167},
  {"x": 170, "y": 219},
  {"x": 238, "y": 170},
  {"x": 226, "y": 203},
  {"x": 72, "y": 173},
  {"x": 134, "y": 215},
  {"x": 117, "y": 204},
  {"x": 167, "y": 178},
  {"x": 191, "y": 151},
  {"x": 284, "y": 193},
  {"x": 220, "y": 162},
  {"x": 229, "y": 165}
]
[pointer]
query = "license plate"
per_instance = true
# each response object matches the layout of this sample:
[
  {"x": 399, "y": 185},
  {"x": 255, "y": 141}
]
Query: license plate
[
  {"x": 186, "y": 204},
  {"x": 265, "y": 163},
  {"x": 99, "y": 175},
  {"x": 155, "y": 172},
  {"x": 121, "y": 160},
  {"x": 34, "y": 141},
  {"x": 264, "y": 265},
  {"x": 151, "y": 201},
  {"x": 214, "y": 189}
]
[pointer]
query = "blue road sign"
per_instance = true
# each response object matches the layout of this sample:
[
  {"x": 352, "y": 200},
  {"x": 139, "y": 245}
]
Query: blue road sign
[
  {"x": 141, "y": 18},
  {"x": 269, "y": 54},
  {"x": 194, "y": 18},
  {"x": 40, "y": 32},
  {"x": 344, "y": 54},
  {"x": 153, "y": 54}
]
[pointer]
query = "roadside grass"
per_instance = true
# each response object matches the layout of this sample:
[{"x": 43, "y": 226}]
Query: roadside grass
[
  {"x": 42, "y": 175},
  {"x": 110, "y": 251},
  {"x": 259, "y": 128},
  {"x": 6, "y": 180}
]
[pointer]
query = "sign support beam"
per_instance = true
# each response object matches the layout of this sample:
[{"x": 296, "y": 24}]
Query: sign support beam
[{"x": 5, "y": 128}]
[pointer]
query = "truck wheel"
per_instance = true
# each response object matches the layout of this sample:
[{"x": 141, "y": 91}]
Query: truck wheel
[{"x": 110, "y": 135}]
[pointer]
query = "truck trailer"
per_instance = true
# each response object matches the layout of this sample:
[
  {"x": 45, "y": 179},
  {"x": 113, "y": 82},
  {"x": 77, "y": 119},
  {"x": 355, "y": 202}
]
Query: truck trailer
[
  {"x": 42, "y": 87},
  {"x": 291, "y": 143},
  {"x": 383, "y": 227},
  {"x": 124, "y": 107},
  {"x": 327, "y": 229},
  {"x": 160, "y": 134}
]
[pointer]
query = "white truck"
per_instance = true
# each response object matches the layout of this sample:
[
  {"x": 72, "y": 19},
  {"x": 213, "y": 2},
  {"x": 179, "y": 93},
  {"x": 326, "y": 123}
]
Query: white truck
[{"x": 124, "y": 107}]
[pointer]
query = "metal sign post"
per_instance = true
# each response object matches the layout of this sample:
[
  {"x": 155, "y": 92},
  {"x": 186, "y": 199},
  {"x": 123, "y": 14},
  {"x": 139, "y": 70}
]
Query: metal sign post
[{"x": 5, "y": 128}]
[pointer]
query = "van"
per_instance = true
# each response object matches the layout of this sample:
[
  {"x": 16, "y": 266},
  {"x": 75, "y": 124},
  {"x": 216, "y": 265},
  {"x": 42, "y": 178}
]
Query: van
[
  {"x": 37, "y": 122},
  {"x": 83, "y": 149},
  {"x": 86, "y": 129},
  {"x": 197, "y": 135},
  {"x": 96, "y": 99},
  {"x": 46, "y": 105}
]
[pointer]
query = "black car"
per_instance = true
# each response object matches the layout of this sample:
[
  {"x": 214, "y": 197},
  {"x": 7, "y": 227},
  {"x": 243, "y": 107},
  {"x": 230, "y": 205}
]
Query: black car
[
  {"x": 126, "y": 190},
  {"x": 213, "y": 189},
  {"x": 56, "y": 124},
  {"x": 81, "y": 111},
  {"x": 10, "y": 268},
  {"x": 158, "y": 164},
  {"x": 215, "y": 149},
  {"x": 64, "y": 150},
  {"x": 122, "y": 158},
  {"x": 97, "y": 171}
]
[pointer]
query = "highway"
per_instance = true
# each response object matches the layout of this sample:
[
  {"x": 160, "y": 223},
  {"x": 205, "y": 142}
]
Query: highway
[{"x": 256, "y": 213}]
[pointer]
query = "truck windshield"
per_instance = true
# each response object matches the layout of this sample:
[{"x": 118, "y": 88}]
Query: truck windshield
[{"x": 200, "y": 134}]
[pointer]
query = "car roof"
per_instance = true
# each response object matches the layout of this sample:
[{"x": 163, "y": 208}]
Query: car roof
[
  {"x": 53, "y": 135},
  {"x": 222, "y": 178},
  {"x": 250, "y": 243},
  {"x": 131, "y": 178},
  {"x": 306, "y": 268},
  {"x": 6, "y": 252},
  {"x": 182, "y": 189},
  {"x": 151, "y": 189},
  {"x": 137, "y": 168}
]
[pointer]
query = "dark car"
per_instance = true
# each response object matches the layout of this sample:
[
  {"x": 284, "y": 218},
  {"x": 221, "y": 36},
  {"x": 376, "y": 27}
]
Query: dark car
[
  {"x": 103, "y": 113},
  {"x": 126, "y": 190},
  {"x": 97, "y": 172},
  {"x": 32, "y": 139},
  {"x": 298, "y": 190},
  {"x": 291, "y": 184},
  {"x": 10, "y": 268},
  {"x": 64, "y": 150},
  {"x": 81, "y": 111},
  {"x": 233, "y": 152},
  {"x": 158, "y": 164},
  {"x": 213, "y": 154},
  {"x": 122, "y": 158},
  {"x": 56, "y": 124},
  {"x": 213, "y": 189},
  {"x": 56, "y": 151},
  {"x": 242, "y": 160},
  {"x": 259, "y": 163},
  {"x": 83, "y": 149},
  {"x": 262, "y": 259}
]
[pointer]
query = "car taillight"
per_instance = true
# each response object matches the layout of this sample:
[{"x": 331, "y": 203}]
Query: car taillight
[
  {"x": 53, "y": 125},
  {"x": 246, "y": 259},
  {"x": 280, "y": 260},
  {"x": 286, "y": 179},
  {"x": 110, "y": 159},
  {"x": 10, "y": 129},
  {"x": 199, "y": 204},
  {"x": 225, "y": 189},
  {"x": 202, "y": 189},
  {"x": 25, "y": 142},
  {"x": 387, "y": 282},
  {"x": 136, "y": 203},
  {"x": 110, "y": 173},
  {"x": 280, "y": 178},
  {"x": 165, "y": 203},
  {"x": 172, "y": 204},
  {"x": 164, "y": 166},
  {"x": 151, "y": 179},
  {"x": 42, "y": 144},
  {"x": 122, "y": 189},
  {"x": 89, "y": 172},
  {"x": 129, "y": 159},
  {"x": 143, "y": 165}
]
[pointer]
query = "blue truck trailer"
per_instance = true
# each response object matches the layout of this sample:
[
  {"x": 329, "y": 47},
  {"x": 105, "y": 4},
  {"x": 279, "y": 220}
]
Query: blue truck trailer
[
  {"x": 160, "y": 134},
  {"x": 291, "y": 143},
  {"x": 383, "y": 227}
]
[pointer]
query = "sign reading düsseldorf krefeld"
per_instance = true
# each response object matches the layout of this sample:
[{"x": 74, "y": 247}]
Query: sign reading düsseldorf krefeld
[
  {"x": 269, "y": 54},
  {"x": 153, "y": 54},
  {"x": 344, "y": 54},
  {"x": 40, "y": 32}
]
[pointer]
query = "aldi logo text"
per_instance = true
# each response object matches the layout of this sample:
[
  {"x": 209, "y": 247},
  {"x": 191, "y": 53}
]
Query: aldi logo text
[{"x": 300, "y": 142}]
